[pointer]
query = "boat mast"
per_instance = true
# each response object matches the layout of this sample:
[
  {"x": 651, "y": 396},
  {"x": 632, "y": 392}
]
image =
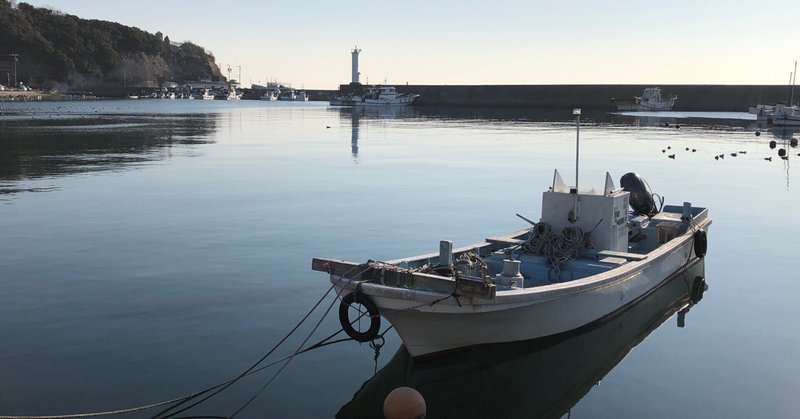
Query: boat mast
[{"x": 793, "y": 77}]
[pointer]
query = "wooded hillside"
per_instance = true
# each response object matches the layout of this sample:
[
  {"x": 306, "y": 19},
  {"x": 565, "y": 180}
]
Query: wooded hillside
[{"x": 61, "y": 50}]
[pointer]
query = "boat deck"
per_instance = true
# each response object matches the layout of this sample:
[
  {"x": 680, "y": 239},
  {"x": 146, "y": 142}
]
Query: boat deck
[{"x": 645, "y": 235}]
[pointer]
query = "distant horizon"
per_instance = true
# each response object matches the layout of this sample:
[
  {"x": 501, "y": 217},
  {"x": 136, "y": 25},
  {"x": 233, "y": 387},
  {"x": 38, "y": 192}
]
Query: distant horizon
[{"x": 470, "y": 43}]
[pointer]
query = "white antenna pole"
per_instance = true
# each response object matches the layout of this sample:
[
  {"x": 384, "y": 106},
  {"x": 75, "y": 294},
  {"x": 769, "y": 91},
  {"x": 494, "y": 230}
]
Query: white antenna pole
[
  {"x": 794, "y": 77},
  {"x": 577, "y": 113}
]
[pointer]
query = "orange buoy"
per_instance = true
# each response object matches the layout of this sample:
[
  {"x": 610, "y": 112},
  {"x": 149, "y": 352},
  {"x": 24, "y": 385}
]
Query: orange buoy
[{"x": 404, "y": 403}]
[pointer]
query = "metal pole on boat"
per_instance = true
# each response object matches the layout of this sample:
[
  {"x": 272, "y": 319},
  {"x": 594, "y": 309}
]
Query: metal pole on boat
[
  {"x": 794, "y": 78},
  {"x": 577, "y": 113}
]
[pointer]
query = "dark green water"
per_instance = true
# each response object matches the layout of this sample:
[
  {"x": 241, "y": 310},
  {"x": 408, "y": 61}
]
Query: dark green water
[{"x": 153, "y": 248}]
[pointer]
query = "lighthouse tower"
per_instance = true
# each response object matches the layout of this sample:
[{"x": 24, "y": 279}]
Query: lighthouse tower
[{"x": 356, "y": 74}]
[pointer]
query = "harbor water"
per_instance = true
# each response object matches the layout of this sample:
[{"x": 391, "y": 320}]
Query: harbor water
[{"x": 151, "y": 248}]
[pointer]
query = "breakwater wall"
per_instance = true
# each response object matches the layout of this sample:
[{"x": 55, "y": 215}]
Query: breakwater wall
[{"x": 690, "y": 97}]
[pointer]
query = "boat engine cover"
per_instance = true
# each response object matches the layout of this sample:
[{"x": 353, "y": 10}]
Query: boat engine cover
[{"x": 641, "y": 196}]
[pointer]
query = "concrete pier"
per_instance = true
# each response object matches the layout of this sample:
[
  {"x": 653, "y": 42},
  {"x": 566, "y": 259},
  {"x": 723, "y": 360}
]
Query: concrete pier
[{"x": 690, "y": 97}]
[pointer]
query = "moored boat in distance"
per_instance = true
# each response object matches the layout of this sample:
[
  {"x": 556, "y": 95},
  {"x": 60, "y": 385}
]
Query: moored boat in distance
[
  {"x": 584, "y": 260},
  {"x": 375, "y": 95},
  {"x": 203, "y": 94},
  {"x": 229, "y": 94},
  {"x": 651, "y": 100},
  {"x": 784, "y": 116}
]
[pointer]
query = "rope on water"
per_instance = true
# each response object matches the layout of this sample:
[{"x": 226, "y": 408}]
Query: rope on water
[
  {"x": 216, "y": 389},
  {"x": 252, "y": 367}
]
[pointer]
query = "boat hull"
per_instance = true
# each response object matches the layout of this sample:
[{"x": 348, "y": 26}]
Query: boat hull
[{"x": 429, "y": 323}]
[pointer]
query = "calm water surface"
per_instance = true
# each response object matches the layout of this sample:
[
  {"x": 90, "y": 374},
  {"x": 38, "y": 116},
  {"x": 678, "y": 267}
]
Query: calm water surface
[{"x": 150, "y": 249}]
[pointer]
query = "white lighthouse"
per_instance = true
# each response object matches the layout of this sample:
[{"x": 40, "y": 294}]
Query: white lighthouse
[{"x": 355, "y": 74}]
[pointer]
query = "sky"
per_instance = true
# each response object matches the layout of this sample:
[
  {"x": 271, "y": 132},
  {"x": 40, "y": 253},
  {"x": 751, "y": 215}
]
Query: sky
[{"x": 307, "y": 43}]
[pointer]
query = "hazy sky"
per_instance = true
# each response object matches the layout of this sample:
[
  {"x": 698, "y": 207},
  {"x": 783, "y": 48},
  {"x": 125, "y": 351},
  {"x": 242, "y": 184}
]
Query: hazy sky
[{"x": 308, "y": 44}]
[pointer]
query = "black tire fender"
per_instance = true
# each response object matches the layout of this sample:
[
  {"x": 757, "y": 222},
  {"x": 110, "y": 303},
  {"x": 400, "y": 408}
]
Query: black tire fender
[
  {"x": 347, "y": 324},
  {"x": 700, "y": 243}
]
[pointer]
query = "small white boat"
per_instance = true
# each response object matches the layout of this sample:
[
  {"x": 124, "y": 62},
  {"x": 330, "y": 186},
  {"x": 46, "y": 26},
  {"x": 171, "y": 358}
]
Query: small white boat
[
  {"x": 533, "y": 379},
  {"x": 651, "y": 100},
  {"x": 203, "y": 94},
  {"x": 785, "y": 116},
  {"x": 229, "y": 94},
  {"x": 587, "y": 258}
]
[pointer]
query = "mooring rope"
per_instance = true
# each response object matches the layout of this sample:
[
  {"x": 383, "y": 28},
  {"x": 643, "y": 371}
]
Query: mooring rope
[{"x": 216, "y": 389}]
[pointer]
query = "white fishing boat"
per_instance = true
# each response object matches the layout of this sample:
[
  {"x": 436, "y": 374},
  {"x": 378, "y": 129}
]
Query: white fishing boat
[
  {"x": 387, "y": 95},
  {"x": 229, "y": 94},
  {"x": 535, "y": 378},
  {"x": 203, "y": 94},
  {"x": 585, "y": 259},
  {"x": 376, "y": 96},
  {"x": 651, "y": 100},
  {"x": 785, "y": 116}
]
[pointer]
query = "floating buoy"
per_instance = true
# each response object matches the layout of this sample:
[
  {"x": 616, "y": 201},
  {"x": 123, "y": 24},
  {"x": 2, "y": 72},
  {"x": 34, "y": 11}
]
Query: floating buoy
[
  {"x": 793, "y": 142},
  {"x": 781, "y": 152},
  {"x": 347, "y": 323},
  {"x": 404, "y": 403},
  {"x": 672, "y": 156},
  {"x": 700, "y": 243},
  {"x": 772, "y": 144},
  {"x": 758, "y": 133}
]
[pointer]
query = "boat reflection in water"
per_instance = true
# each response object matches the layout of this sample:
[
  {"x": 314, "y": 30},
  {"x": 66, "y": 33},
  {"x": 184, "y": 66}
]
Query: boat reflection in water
[
  {"x": 370, "y": 113},
  {"x": 537, "y": 378}
]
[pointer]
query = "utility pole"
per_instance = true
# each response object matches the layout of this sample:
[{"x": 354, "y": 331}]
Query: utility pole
[
  {"x": 240, "y": 75},
  {"x": 16, "y": 59}
]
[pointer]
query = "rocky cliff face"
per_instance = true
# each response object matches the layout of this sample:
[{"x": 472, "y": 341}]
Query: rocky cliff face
[{"x": 57, "y": 49}]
